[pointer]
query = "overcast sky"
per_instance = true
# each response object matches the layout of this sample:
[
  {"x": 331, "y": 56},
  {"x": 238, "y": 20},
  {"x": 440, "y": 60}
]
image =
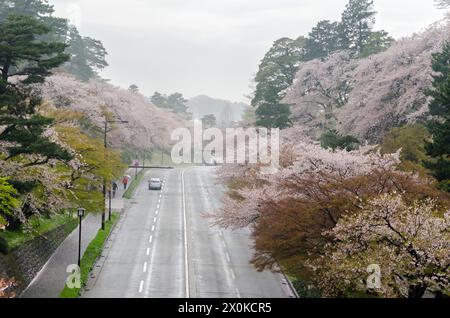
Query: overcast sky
[{"x": 212, "y": 47}]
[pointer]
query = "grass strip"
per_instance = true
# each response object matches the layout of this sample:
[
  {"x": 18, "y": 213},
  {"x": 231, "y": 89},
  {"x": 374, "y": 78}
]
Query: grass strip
[
  {"x": 133, "y": 186},
  {"x": 91, "y": 255}
]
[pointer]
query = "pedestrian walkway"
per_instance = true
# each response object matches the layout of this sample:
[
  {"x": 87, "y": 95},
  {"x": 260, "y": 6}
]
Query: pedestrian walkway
[{"x": 50, "y": 281}]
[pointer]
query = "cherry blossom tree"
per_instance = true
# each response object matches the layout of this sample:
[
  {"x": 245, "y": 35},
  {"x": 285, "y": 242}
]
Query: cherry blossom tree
[
  {"x": 289, "y": 211},
  {"x": 409, "y": 243},
  {"x": 366, "y": 97},
  {"x": 94, "y": 98}
]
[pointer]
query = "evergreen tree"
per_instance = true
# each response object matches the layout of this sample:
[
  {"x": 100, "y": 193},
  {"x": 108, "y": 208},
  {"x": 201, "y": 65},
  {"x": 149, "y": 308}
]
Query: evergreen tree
[
  {"x": 159, "y": 100},
  {"x": 322, "y": 40},
  {"x": 273, "y": 115},
  {"x": 439, "y": 147},
  {"x": 22, "y": 54},
  {"x": 276, "y": 74},
  {"x": 334, "y": 140},
  {"x": 377, "y": 42},
  {"x": 209, "y": 121},
  {"x": 358, "y": 20},
  {"x": 87, "y": 55},
  {"x": 133, "y": 88},
  {"x": 175, "y": 102}
]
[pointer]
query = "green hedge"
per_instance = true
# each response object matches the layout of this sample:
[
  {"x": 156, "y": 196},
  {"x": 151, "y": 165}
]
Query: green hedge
[{"x": 91, "y": 255}]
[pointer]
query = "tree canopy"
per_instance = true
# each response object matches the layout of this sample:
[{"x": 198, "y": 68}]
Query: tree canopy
[{"x": 439, "y": 147}]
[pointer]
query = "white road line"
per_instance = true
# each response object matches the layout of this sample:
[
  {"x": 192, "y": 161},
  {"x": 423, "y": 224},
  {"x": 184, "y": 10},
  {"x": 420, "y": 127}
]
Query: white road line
[
  {"x": 157, "y": 212},
  {"x": 186, "y": 257},
  {"x": 150, "y": 240},
  {"x": 155, "y": 219},
  {"x": 141, "y": 286},
  {"x": 158, "y": 206},
  {"x": 153, "y": 228},
  {"x": 148, "y": 251},
  {"x": 233, "y": 275},
  {"x": 228, "y": 257},
  {"x": 238, "y": 293},
  {"x": 145, "y": 267}
]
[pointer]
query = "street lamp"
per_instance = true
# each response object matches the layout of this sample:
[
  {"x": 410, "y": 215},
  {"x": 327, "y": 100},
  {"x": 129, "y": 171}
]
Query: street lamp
[
  {"x": 107, "y": 122},
  {"x": 80, "y": 213}
]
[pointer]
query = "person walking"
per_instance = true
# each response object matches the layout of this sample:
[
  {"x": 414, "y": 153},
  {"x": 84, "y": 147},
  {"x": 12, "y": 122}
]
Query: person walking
[
  {"x": 115, "y": 186},
  {"x": 125, "y": 182}
]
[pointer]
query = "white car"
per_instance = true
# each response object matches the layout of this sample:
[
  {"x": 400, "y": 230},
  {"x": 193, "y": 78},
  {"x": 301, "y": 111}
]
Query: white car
[{"x": 155, "y": 184}]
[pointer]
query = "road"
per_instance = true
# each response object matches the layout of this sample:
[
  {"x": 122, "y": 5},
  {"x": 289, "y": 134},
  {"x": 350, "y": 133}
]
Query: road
[{"x": 165, "y": 248}]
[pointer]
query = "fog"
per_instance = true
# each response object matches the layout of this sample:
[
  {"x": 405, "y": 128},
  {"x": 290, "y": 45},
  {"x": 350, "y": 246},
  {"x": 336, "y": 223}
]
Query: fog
[{"x": 212, "y": 47}]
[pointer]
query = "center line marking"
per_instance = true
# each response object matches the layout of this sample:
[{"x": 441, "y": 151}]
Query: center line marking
[
  {"x": 153, "y": 228},
  {"x": 155, "y": 219},
  {"x": 157, "y": 212},
  {"x": 145, "y": 267},
  {"x": 158, "y": 206},
  {"x": 150, "y": 240},
  {"x": 148, "y": 251},
  {"x": 228, "y": 257},
  {"x": 141, "y": 286}
]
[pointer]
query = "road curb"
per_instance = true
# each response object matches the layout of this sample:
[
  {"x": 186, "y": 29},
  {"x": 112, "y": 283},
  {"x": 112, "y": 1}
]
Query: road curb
[{"x": 100, "y": 261}]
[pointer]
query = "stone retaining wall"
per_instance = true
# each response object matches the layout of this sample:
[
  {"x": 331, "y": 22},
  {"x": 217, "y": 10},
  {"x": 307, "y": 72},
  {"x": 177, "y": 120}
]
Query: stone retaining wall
[{"x": 25, "y": 261}]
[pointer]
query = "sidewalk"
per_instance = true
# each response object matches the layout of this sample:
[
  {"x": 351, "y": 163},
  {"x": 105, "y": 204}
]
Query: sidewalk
[{"x": 50, "y": 281}]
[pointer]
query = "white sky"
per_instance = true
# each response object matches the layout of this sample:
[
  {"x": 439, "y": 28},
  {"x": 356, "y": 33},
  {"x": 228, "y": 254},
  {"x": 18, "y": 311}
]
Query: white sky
[{"x": 212, "y": 47}]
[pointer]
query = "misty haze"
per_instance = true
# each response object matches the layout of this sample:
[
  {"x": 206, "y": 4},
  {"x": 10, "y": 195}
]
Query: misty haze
[{"x": 226, "y": 149}]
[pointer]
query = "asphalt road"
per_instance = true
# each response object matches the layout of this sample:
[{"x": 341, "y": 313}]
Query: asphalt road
[{"x": 165, "y": 248}]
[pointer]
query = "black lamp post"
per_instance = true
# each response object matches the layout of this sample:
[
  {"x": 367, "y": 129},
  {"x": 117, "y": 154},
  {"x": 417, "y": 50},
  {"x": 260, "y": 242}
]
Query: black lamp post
[{"x": 80, "y": 213}]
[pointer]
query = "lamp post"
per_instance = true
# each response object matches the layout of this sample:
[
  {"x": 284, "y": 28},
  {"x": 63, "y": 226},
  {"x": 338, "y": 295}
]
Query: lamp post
[
  {"x": 107, "y": 122},
  {"x": 80, "y": 213}
]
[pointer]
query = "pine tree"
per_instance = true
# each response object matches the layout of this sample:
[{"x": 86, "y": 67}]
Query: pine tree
[
  {"x": 322, "y": 40},
  {"x": 439, "y": 147},
  {"x": 87, "y": 55},
  {"x": 273, "y": 115},
  {"x": 276, "y": 74},
  {"x": 22, "y": 54},
  {"x": 357, "y": 24}
]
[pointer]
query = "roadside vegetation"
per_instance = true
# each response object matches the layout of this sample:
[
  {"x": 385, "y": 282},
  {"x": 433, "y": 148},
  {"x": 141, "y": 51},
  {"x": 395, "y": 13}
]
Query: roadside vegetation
[
  {"x": 347, "y": 202},
  {"x": 90, "y": 256}
]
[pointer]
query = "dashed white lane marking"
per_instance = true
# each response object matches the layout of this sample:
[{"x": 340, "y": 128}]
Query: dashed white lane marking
[
  {"x": 141, "y": 286},
  {"x": 155, "y": 219},
  {"x": 153, "y": 228},
  {"x": 158, "y": 206},
  {"x": 150, "y": 240},
  {"x": 185, "y": 238},
  {"x": 233, "y": 275},
  {"x": 228, "y": 257},
  {"x": 145, "y": 267},
  {"x": 157, "y": 212},
  {"x": 238, "y": 293},
  {"x": 148, "y": 251}
]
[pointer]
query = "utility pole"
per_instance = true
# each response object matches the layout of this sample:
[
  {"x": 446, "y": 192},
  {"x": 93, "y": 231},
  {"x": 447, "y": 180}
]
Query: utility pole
[
  {"x": 104, "y": 178},
  {"x": 105, "y": 139}
]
